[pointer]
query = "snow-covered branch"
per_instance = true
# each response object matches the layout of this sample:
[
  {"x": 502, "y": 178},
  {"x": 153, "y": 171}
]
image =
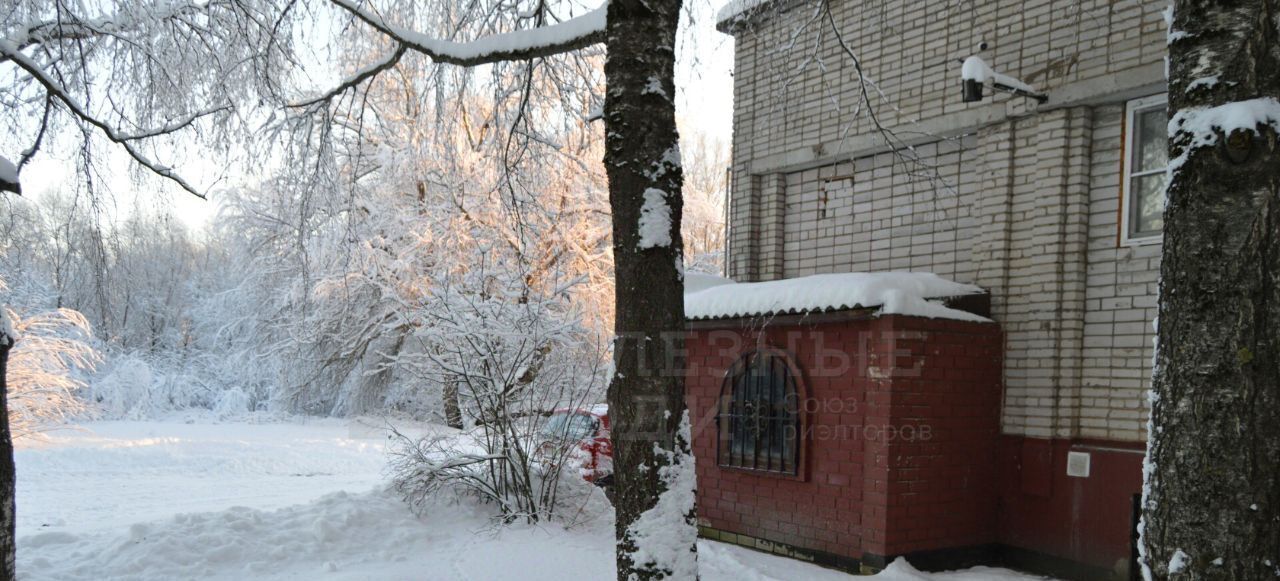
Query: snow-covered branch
[
  {"x": 49, "y": 349},
  {"x": 542, "y": 41},
  {"x": 125, "y": 140},
  {"x": 69, "y": 27}
]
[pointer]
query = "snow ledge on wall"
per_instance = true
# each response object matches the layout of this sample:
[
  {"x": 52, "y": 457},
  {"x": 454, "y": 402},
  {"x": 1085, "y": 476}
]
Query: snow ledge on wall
[{"x": 895, "y": 293}]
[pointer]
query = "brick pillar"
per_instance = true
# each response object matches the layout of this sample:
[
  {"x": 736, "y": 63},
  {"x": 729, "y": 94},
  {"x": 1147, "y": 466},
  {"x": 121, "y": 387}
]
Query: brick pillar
[
  {"x": 743, "y": 230},
  {"x": 1060, "y": 230},
  {"x": 932, "y": 408},
  {"x": 1073, "y": 267},
  {"x": 1036, "y": 267},
  {"x": 992, "y": 212},
  {"x": 772, "y": 211},
  {"x": 759, "y": 207}
]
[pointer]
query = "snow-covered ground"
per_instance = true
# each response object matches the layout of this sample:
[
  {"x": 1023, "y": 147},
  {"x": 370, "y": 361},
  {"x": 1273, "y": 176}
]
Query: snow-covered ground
[
  {"x": 172, "y": 500},
  {"x": 109, "y": 475}
]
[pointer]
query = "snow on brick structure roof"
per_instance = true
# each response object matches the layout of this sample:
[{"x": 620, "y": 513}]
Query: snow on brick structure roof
[
  {"x": 696, "y": 281},
  {"x": 8, "y": 176},
  {"x": 900, "y": 293},
  {"x": 738, "y": 10},
  {"x": 8, "y": 171}
]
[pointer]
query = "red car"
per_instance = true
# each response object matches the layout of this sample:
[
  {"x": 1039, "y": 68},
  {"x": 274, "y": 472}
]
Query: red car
[{"x": 588, "y": 431}]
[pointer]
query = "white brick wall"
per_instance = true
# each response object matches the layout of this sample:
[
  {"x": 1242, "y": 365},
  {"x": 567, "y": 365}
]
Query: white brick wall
[
  {"x": 1017, "y": 197},
  {"x": 864, "y": 215}
]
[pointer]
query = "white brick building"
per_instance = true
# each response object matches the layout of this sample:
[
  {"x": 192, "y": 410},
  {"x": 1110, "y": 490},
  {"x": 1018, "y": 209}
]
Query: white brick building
[{"x": 1054, "y": 207}]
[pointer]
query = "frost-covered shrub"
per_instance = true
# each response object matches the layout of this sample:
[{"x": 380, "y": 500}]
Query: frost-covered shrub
[
  {"x": 46, "y": 367},
  {"x": 142, "y": 385},
  {"x": 514, "y": 352},
  {"x": 522, "y": 475},
  {"x": 232, "y": 403},
  {"x": 123, "y": 389}
]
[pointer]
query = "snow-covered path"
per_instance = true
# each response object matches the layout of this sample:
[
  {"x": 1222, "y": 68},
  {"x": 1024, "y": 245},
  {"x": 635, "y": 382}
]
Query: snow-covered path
[{"x": 168, "y": 500}]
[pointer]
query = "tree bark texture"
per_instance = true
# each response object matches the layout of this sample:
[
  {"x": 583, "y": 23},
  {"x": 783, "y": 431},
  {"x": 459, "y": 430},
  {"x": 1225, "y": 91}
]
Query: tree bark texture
[
  {"x": 1212, "y": 506},
  {"x": 8, "y": 477},
  {"x": 452, "y": 408},
  {"x": 646, "y": 394}
]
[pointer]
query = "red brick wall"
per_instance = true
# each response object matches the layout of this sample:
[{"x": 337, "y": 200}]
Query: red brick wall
[
  {"x": 900, "y": 424},
  {"x": 941, "y": 488}
]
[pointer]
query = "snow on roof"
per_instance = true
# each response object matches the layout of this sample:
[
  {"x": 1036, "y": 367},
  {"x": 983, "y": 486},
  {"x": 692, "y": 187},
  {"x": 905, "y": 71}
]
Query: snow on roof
[
  {"x": 8, "y": 171},
  {"x": 695, "y": 281},
  {"x": 738, "y": 9},
  {"x": 901, "y": 293}
]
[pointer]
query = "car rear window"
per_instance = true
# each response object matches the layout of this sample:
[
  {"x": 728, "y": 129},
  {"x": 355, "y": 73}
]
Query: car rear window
[{"x": 570, "y": 426}]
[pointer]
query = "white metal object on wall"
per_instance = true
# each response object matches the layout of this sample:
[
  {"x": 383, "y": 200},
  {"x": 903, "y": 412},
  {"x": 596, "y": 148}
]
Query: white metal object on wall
[{"x": 1078, "y": 464}]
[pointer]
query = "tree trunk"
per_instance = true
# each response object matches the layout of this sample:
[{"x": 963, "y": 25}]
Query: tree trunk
[
  {"x": 646, "y": 394},
  {"x": 8, "y": 477},
  {"x": 1212, "y": 506},
  {"x": 452, "y": 408}
]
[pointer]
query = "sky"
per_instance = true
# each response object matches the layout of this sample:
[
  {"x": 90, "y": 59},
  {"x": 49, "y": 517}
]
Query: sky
[{"x": 704, "y": 105}]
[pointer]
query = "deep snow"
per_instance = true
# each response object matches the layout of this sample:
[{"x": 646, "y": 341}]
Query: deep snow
[{"x": 171, "y": 500}]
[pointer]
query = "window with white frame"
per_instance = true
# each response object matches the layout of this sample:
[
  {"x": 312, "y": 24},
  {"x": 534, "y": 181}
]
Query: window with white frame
[{"x": 1146, "y": 154}]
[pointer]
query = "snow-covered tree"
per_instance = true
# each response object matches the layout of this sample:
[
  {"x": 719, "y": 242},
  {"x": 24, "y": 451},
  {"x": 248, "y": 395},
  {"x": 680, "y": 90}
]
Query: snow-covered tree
[
  {"x": 514, "y": 352},
  {"x": 135, "y": 74},
  {"x": 138, "y": 76},
  {"x": 706, "y": 184},
  {"x": 51, "y": 354}
]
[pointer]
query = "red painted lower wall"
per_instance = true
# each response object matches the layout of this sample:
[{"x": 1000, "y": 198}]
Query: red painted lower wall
[{"x": 1085, "y": 520}]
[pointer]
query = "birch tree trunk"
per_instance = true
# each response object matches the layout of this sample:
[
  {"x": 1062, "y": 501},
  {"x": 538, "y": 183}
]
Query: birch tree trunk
[
  {"x": 8, "y": 477},
  {"x": 1212, "y": 506},
  {"x": 646, "y": 394}
]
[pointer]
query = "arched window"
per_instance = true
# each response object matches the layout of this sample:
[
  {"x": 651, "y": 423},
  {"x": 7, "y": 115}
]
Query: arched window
[{"x": 758, "y": 419}]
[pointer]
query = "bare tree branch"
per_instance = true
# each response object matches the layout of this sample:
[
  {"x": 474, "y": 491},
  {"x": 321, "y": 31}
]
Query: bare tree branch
[
  {"x": 44, "y": 126},
  {"x": 373, "y": 70}
]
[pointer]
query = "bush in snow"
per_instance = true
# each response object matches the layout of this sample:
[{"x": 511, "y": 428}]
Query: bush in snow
[
  {"x": 123, "y": 390},
  {"x": 514, "y": 352},
  {"x": 231, "y": 403},
  {"x": 45, "y": 370}
]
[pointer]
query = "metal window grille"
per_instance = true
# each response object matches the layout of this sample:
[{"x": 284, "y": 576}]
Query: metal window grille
[{"x": 758, "y": 420}]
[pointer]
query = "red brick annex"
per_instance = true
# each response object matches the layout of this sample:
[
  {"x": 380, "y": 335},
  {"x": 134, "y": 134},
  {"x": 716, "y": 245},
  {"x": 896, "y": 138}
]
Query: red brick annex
[{"x": 849, "y": 426}]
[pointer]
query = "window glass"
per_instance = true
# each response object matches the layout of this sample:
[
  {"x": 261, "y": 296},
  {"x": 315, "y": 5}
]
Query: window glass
[
  {"x": 569, "y": 426},
  {"x": 1152, "y": 148},
  {"x": 1144, "y": 181},
  {"x": 1148, "y": 204}
]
